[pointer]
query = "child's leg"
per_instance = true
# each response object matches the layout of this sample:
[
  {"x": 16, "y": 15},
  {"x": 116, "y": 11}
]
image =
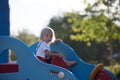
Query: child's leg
[{"x": 70, "y": 63}]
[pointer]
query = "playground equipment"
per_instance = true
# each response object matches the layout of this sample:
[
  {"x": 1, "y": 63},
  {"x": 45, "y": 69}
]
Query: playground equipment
[
  {"x": 4, "y": 25},
  {"x": 29, "y": 67}
]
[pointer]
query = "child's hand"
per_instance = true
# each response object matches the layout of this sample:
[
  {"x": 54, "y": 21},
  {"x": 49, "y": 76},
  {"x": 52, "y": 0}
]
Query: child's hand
[
  {"x": 58, "y": 40},
  {"x": 60, "y": 55}
]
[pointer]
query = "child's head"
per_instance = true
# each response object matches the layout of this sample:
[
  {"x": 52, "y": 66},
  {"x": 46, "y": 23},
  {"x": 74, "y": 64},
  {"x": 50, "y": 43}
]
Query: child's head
[{"x": 47, "y": 34}]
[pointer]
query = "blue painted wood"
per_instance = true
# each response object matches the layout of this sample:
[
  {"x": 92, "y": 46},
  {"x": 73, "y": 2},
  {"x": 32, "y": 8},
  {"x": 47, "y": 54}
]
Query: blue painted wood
[
  {"x": 82, "y": 70},
  {"x": 4, "y": 26},
  {"x": 30, "y": 68}
]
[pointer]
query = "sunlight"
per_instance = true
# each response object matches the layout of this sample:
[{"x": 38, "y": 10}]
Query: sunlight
[{"x": 35, "y": 14}]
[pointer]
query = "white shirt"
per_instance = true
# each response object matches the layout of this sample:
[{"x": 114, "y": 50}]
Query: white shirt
[{"x": 42, "y": 46}]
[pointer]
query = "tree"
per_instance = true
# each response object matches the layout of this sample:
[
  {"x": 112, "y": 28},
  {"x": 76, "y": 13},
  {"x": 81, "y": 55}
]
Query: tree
[
  {"x": 61, "y": 26},
  {"x": 25, "y": 36},
  {"x": 63, "y": 29},
  {"x": 98, "y": 24}
]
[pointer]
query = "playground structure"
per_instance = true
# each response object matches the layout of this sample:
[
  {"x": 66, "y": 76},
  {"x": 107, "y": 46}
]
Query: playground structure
[
  {"x": 4, "y": 25},
  {"x": 29, "y": 67}
]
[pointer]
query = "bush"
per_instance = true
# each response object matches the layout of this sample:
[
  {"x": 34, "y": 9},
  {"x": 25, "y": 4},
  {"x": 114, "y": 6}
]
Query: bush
[{"x": 115, "y": 70}]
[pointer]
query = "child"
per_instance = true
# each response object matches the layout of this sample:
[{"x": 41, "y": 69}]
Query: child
[{"x": 47, "y": 37}]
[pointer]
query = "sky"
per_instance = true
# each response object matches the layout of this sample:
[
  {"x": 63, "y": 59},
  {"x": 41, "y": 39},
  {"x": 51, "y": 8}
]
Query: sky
[{"x": 33, "y": 15}]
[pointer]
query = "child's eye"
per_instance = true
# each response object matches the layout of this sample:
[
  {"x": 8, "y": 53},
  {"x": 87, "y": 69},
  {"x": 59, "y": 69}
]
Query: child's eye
[
  {"x": 46, "y": 35},
  {"x": 50, "y": 35}
]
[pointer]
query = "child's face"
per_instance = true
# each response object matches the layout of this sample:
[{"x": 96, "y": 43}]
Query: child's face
[{"x": 47, "y": 37}]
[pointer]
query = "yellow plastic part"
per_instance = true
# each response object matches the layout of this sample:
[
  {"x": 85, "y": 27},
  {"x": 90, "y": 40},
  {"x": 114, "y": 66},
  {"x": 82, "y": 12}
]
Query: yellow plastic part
[{"x": 97, "y": 68}]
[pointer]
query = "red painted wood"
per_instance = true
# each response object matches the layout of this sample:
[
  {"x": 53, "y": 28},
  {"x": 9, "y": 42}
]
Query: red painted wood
[{"x": 8, "y": 68}]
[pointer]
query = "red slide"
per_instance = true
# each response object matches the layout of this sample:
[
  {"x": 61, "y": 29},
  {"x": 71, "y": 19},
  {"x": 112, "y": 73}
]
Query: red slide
[{"x": 103, "y": 75}]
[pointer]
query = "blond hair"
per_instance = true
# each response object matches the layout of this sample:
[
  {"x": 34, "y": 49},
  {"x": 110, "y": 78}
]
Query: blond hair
[{"x": 45, "y": 30}]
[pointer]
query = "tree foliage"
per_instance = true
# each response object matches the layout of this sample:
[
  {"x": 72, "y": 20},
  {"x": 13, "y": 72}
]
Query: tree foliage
[
  {"x": 100, "y": 24},
  {"x": 26, "y": 37},
  {"x": 99, "y": 28},
  {"x": 61, "y": 26},
  {"x": 63, "y": 29}
]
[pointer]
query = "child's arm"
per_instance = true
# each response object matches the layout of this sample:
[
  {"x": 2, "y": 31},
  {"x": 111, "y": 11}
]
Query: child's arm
[
  {"x": 48, "y": 53},
  {"x": 58, "y": 40}
]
